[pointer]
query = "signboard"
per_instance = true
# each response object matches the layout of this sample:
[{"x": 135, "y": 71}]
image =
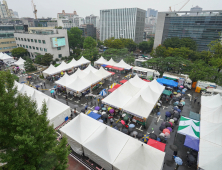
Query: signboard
[{"x": 58, "y": 42}]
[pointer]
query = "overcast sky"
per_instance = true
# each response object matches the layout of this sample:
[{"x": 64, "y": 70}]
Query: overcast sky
[{"x": 50, "y": 8}]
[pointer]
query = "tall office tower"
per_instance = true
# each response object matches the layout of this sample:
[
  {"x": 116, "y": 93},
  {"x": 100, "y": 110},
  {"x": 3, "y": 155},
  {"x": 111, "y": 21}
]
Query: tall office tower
[
  {"x": 122, "y": 23},
  {"x": 151, "y": 13},
  {"x": 92, "y": 19}
]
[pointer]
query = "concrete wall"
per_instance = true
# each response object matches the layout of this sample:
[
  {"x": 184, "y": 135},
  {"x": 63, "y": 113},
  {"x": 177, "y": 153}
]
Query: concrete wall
[
  {"x": 48, "y": 45},
  {"x": 159, "y": 29},
  {"x": 7, "y": 44}
]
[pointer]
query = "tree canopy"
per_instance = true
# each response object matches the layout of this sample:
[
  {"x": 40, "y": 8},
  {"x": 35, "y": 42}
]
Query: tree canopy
[
  {"x": 146, "y": 46},
  {"x": 89, "y": 43},
  {"x": 116, "y": 54},
  {"x": 44, "y": 59},
  {"x": 121, "y": 43},
  {"x": 90, "y": 54},
  {"x": 19, "y": 52},
  {"x": 75, "y": 38},
  {"x": 27, "y": 140},
  {"x": 29, "y": 64}
]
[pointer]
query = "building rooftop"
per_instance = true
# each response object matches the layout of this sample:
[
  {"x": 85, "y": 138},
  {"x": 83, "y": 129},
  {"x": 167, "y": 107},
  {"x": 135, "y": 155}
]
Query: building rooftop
[{"x": 199, "y": 13}]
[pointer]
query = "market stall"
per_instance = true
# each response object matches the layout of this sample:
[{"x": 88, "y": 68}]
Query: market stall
[
  {"x": 49, "y": 71},
  {"x": 100, "y": 61},
  {"x": 156, "y": 144},
  {"x": 20, "y": 63},
  {"x": 167, "y": 82},
  {"x": 6, "y": 58}
]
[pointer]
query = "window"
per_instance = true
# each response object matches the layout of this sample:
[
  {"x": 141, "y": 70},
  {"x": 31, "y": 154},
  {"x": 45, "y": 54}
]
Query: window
[
  {"x": 21, "y": 39},
  {"x": 20, "y": 45},
  {"x": 16, "y": 38},
  {"x": 23, "y": 46},
  {"x": 45, "y": 49},
  {"x": 28, "y": 39},
  {"x": 30, "y": 47},
  {"x": 0, "y": 48},
  {"x": 39, "y": 41},
  {"x": 24, "y": 39},
  {"x": 31, "y": 40},
  {"x": 41, "y": 49},
  {"x": 35, "y": 40},
  {"x": 12, "y": 42},
  {"x": 43, "y": 41},
  {"x": 60, "y": 55},
  {"x": 37, "y": 48},
  {"x": 4, "y": 48},
  {"x": 27, "y": 46},
  {"x": 33, "y": 47},
  {"x": 58, "y": 48},
  {"x": 14, "y": 46}
]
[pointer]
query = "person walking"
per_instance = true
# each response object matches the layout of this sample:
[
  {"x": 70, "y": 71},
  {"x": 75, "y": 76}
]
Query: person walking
[
  {"x": 41, "y": 85},
  {"x": 44, "y": 84},
  {"x": 195, "y": 99}
]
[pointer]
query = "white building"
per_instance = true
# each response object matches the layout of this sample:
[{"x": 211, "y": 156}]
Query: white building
[
  {"x": 53, "y": 41},
  {"x": 3, "y": 11},
  {"x": 78, "y": 21},
  {"x": 122, "y": 23},
  {"x": 15, "y": 14},
  {"x": 92, "y": 20}
]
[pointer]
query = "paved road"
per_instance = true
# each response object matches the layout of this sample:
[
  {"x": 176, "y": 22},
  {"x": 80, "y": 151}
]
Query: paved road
[{"x": 153, "y": 123}]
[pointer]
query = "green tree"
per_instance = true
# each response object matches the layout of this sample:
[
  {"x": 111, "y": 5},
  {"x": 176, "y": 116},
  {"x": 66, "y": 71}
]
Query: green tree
[
  {"x": 19, "y": 52},
  {"x": 29, "y": 65},
  {"x": 130, "y": 59},
  {"x": 160, "y": 51},
  {"x": 99, "y": 43},
  {"x": 60, "y": 27},
  {"x": 27, "y": 140},
  {"x": 89, "y": 43},
  {"x": 108, "y": 42},
  {"x": 38, "y": 59},
  {"x": 47, "y": 59},
  {"x": 75, "y": 38},
  {"x": 90, "y": 54},
  {"x": 146, "y": 46},
  {"x": 116, "y": 54}
]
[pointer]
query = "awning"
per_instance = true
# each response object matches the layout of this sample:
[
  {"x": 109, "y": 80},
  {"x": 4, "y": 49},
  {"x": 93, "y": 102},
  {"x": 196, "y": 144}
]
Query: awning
[
  {"x": 94, "y": 115},
  {"x": 194, "y": 116},
  {"x": 112, "y": 72},
  {"x": 146, "y": 80},
  {"x": 117, "y": 68},
  {"x": 192, "y": 143},
  {"x": 109, "y": 66},
  {"x": 117, "y": 86},
  {"x": 156, "y": 144},
  {"x": 167, "y": 92},
  {"x": 123, "y": 81},
  {"x": 111, "y": 90},
  {"x": 104, "y": 65}
]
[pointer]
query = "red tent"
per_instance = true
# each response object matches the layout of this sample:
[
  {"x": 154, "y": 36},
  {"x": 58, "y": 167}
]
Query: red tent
[
  {"x": 112, "y": 90},
  {"x": 117, "y": 86},
  {"x": 123, "y": 81},
  {"x": 146, "y": 80},
  {"x": 117, "y": 68},
  {"x": 112, "y": 72},
  {"x": 156, "y": 144},
  {"x": 109, "y": 66}
]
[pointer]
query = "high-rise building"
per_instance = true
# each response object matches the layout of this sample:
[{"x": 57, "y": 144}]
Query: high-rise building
[
  {"x": 151, "y": 13},
  {"x": 78, "y": 21},
  {"x": 6, "y": 8},
  {"x": 3, "y": 11},
  {"x": 92, "y": 20},
  {"x": 203, "y": 27},
  {"x": 122, "y": 23},
  {"x": 64, "y": 15}
]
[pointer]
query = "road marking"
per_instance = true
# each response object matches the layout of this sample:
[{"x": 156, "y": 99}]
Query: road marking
[
  {"x": 151, "y": 116},
  {"x": 70, "y": 98},
  {"x": 153, "y": 131},
  {"x": 158, "y": 119}
]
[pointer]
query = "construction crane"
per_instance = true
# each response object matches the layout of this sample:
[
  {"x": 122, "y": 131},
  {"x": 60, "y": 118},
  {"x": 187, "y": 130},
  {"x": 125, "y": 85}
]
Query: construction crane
[
  {"x": 34, "y": 9},
  {"x": 181, "y": 7}
]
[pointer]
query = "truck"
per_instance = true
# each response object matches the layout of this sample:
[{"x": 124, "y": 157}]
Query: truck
[
  {"x": 212, "y": 91},
  {"x": 182, "y": 79},
  {"x": 205, "y": 85},
  {"x": 145, "y": 73}
]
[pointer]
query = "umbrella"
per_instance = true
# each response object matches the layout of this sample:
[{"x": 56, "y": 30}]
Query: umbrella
[
  {"x": 103, "y": 113},
  {"x": 191, "y": 158},
  {"x": 124, "y": 115},
  {"x": 170, "y": 129},
  {"x": 163, "y": 123},
  {"x": 29, "y": 77},
  {"x": 166, "y": 131},
  {"x": 100, "y": 120},
  {"x": 174, "y": 92},
  {"x": 37, "y": 86},
  {"x": 125, "y": 131},
  {"x": 171, "y": 124},
  {"x": 122, "y": 121},
  {"x": 145, "y": 138},
  {"x": 175, "y": 108},
  {"x": 168, "y": 114},
  {"x": 134, "y": 133},
  {"x": 111, "y": 111},
  {"x": 178, "y": 160},
  {"x": 110, "y": 117},
  {"x": 171, "y": 120},
  {"x": 52, "y": 91},
  {"x": 97, "y": 108},
  {"x": 131, "y": 126},
  {"x": 103, "y": 92},
  {"x": 192, "y": 142},
  {"x": 162, "y": 127},
  {"x": 167, "y": 124},
  {"x": 109, "y": 108},
  {"x": 83, "y": 110},
  {"x": 139, "y": 135},
  {"x": 158, "y": 139},
  {"x": 167, "y": 135},
  {"x": 131, "y": 129},
  {"x": 119, "y": 125},
  {"x": 178, "y": 91},
  {"x": 162, "y": 139},
  {"x": 153, "y": 136},
  {"x": 181, "y": 86},
  {"x": 23, "y": 82},
  {"x": 104, "y": 116},
  {"x": 173, "y": 147},
  {"x": 179, "y": 110},
  {"x": 162, "y": 134},
  {"x": 176, "y": 115},
  {"x": 103, "y": 108},
  {"x": 114, "y": 124},
  {"x": 175, "y": 119}
]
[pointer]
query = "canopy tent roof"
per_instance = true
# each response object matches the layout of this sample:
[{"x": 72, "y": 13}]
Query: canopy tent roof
[
  {"x": 189, "y": 127},
  {"x": 39, "y": 98},
  {"x": 18, "y": 85},
  {"x": 28, "y": 90},
  {"x": 129, "y": 89},
  {"x": 156, "y": 144},
  {"x": 73, "y": 63},
  {"x": 111, "y": 62},
  {"x": 50, "y": 70},
  {"x": 124, "y": 65},
  {"x": 103, "y": 73},
  {"x": 5, "y": 57},
  {"x": 84, "y": 127},
  {"x": 90, "y": 68},
  {"x": 64, "y": 80},
  {"x": 101, "y": 60},
  {"x": 167, "y": 82},
  {"x": 106, "y": 143},
  {"x": 19, "y": 62},
  {"x": 155, "y": 86},
  {"x": 91, "y": 78},
  {"x": 167, "y": 92},
  {"x": 78, "y": 85},
  {"x": 62, "y": 67},
  {"x": 82, "y": 60},
  {"x": 138, "y": 82},
  {"x": 138, "y": 156},
  {"x": 192, "y": 142},
  {"x": 79, "y": 73},
  {"x": 210, "y": 155}
]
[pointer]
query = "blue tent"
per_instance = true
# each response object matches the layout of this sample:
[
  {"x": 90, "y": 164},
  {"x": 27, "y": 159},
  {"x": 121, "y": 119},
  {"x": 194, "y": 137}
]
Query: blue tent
[
  {"x": 94, "y": 115},
  {"x": 104, "y": 65},
  {"x": 167, "y": 82},
  {"x": 103, "y": 92}
]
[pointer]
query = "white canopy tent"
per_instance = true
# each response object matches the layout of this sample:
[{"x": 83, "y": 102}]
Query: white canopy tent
[
  {"x": 5, "y": 57},
  {"x": 18, "y": 85},
  {"x": 57, "y": 111},
  {"x": 210, "y": 148},
  {"x": 105, "y": 145},
  {"x": 63, "y": 81},
  {"x": 101, "y": 60},
  {"x": 103, "y": 73},
  {"x": 62, "y": 67},
  {"x": 20, "y": 62},
  {"x": 82, "y": 61},
  {"x": 91, "y": 78},
  {"x": 78, "y": 85},
  {"x": 139, "y": 156},
  {"x": 79, "y": 73},
  {"x": 138, "y": 82},
  {"x": 84, "y": 127},
  {"x": 49, "y": 71},
  {"x": 124, "y": 65},
  {"x": 90, "y": 68},
  {"x": 73, "y": 63},
  {"x": 111, "y": 62},
  {"x": 129, "y": 89}
]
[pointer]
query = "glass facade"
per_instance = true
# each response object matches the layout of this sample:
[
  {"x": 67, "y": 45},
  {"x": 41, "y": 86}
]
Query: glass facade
[{"x": 202, "y": 29}]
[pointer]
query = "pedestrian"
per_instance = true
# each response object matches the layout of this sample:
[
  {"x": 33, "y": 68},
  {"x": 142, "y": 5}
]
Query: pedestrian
[
  {"x": 41, "y": 85},
  {"x": 174, "y": 153},
  {"x": 74, "y": 111},
  {"x": 44, "y": 84},
  {"x": 37, "y": 88},
  {"x": 54, "y": 95},
  {"x": 195, "y": 99}
]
